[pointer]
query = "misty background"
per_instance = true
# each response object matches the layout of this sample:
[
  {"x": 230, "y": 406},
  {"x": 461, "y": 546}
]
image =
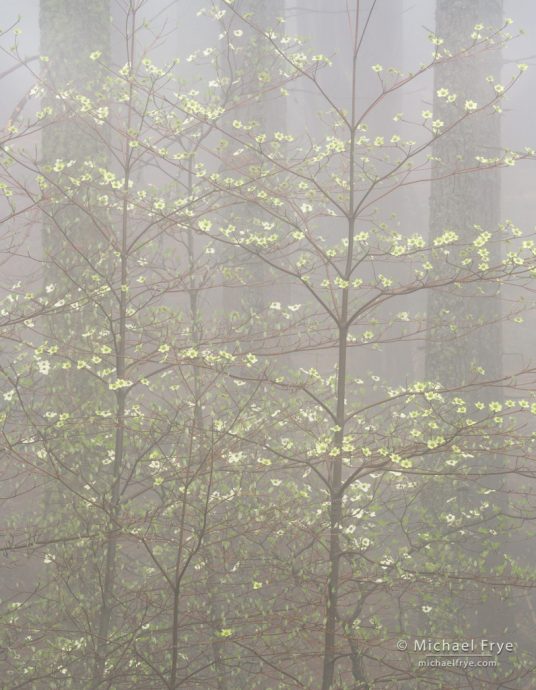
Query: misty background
[{"x": 217, "y": 473}]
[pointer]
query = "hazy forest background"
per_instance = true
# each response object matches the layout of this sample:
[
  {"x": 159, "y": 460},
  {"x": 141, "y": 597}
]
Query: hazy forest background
[{"x": 267, "y": 377}]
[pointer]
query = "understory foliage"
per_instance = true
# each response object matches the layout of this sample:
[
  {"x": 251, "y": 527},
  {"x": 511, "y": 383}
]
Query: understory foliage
[{"x": 211, "y": 477}]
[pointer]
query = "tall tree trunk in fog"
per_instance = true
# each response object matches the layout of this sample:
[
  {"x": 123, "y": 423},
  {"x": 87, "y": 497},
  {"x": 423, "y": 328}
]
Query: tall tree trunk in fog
[
  {"x": 247, "y": 71},
  {"x": 464, "y": 342},
  {"x": 71, "y": 31},
  {"x": 460, "y": 202},
  {"x": 249, "y": 68}
]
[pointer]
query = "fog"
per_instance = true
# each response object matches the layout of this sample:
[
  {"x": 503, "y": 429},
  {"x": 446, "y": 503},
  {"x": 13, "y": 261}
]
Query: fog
[{"x": 267, "y": 376}]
